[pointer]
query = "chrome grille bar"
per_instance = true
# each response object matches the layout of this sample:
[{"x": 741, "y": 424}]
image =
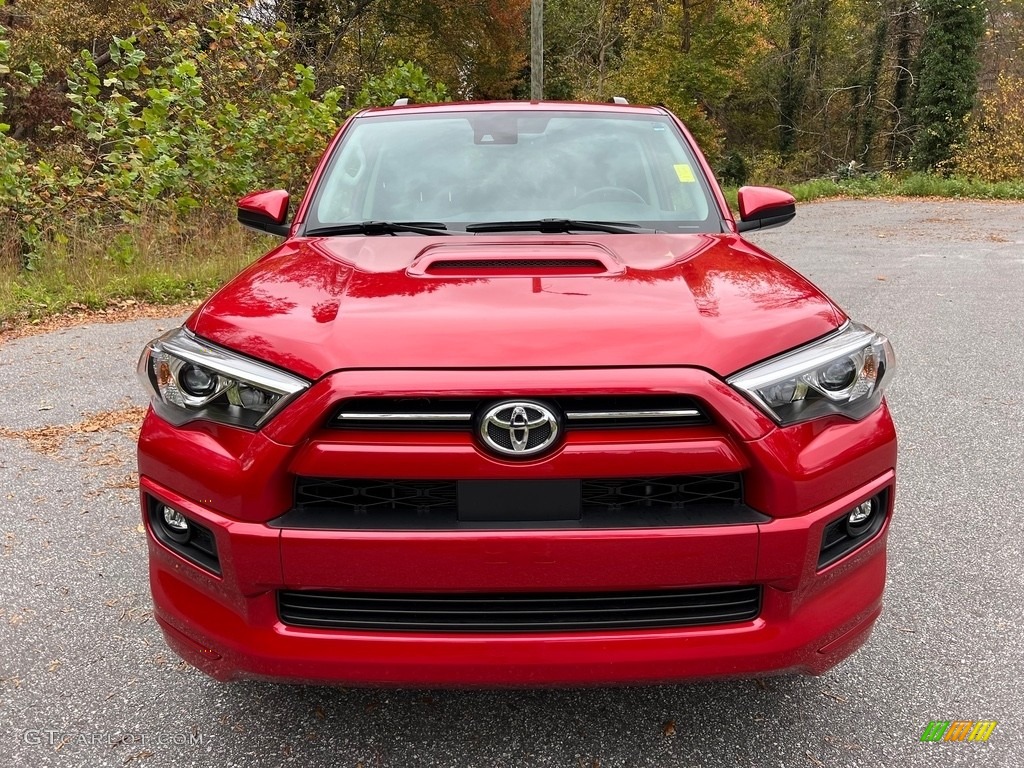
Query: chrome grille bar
[
  {"x": 680, "y": 413},
  {"x": 405, "y": 417},
  {"x": 622, "y": 411}
]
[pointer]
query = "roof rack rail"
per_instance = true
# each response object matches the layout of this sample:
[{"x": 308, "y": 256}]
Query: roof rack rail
[
  {"x": 402, "y": 102},
  {"x": 618, "y": 100}
]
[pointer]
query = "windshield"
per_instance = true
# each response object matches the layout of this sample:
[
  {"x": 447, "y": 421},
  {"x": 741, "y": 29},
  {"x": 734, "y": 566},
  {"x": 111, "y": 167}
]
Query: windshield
[{"x": 465, "y": 168}]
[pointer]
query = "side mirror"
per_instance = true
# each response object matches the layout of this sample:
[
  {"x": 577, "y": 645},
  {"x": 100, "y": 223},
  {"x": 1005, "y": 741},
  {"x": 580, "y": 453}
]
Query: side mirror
[
  {"x": 265, "y": 211},
  {"x": 764, "y": 207}
]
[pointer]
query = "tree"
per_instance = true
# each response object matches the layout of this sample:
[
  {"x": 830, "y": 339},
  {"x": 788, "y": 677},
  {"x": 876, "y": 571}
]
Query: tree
[
  {"x": 691, "y": 56},
  {"x": 582, "y": 47},
  {"x": 948, "y": 78}
]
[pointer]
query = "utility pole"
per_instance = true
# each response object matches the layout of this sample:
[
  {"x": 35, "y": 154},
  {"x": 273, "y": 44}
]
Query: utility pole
[{"x": 536, "y": 50}]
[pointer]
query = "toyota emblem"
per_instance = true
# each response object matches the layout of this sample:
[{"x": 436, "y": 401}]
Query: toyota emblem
[{"x": 518, "y": 428}]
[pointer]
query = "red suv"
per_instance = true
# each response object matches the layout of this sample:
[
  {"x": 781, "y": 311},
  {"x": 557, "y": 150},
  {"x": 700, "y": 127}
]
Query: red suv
[{"x": 514, "y": 403}]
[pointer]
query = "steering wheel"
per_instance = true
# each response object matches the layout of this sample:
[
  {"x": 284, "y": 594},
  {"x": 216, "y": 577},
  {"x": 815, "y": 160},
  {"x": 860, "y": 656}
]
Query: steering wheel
[{"x": 610, "y": 195}]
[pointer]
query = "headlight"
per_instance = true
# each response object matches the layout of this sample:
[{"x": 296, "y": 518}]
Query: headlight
[
  {"x": 844, "y": 374},
  {"x": 191, "y": 379}
]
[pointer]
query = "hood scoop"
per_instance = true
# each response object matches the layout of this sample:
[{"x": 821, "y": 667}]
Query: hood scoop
[{"x": 532, "y": 260}]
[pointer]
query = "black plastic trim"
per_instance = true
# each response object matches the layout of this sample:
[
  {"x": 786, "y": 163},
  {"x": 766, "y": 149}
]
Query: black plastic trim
[
  {"x": 836, "y": 542},
  {"x": 772, "y": 217},
  {"x": 513, "y": 264},
  {"x": 536, "y": 612},
  {"x": 263, "y": 223},
  {"x": 199, "y": 549}
]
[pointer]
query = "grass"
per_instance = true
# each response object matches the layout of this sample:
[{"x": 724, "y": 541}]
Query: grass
[
  {"x": 156, "y": 260},
  {"x": 910, "y": 185},
  {"x": 165, "y": 261}
]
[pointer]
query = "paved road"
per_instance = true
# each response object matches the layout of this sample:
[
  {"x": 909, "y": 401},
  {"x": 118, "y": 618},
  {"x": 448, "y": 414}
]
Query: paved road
[{"x": 80, "y": 654}]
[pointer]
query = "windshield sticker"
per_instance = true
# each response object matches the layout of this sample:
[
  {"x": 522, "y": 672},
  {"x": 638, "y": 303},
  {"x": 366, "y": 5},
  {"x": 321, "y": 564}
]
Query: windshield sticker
[{"x": 685, "y": 173}]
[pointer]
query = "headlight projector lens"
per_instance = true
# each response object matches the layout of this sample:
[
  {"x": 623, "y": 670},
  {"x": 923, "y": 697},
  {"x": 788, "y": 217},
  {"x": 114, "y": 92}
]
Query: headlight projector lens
[
  {"x": 839, "y": 375},
  {"x": 196, "y": 381}
]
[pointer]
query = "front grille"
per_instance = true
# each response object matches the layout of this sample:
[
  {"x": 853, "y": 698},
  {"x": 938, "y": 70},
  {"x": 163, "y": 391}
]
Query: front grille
[
  {"x": 636, "y": 493},
  {"x": 582, "y": 411},
  {"x": 361, "y": 497},
  {"x": 685, "y": 500},
  {"x": 538, "y": 612},
  {"x": 671, "y": 493}
]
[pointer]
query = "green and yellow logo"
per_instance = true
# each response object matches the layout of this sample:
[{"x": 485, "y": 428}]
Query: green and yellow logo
[{"x": 959, "y": 730}]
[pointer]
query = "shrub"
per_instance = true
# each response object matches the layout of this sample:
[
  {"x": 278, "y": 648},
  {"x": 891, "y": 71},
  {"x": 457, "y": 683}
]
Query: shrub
[{"x": 994, "y": 147}]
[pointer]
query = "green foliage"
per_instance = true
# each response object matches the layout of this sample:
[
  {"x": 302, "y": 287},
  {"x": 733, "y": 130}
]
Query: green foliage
[
  {"x": 16, "y": 198},
  {"x": 191, "y": 120},
  {"x": 165, "y": 130},
  {"x": 187, "y": 128},
  {"x": 948, "y": 71},
  {"x": 404, "y": 80}
]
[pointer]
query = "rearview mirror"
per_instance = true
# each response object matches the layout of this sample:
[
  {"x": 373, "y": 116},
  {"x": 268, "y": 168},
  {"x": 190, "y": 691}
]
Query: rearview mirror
[
  {"x": 265, "y": 211},
  {"x": 764, "y": 207}
]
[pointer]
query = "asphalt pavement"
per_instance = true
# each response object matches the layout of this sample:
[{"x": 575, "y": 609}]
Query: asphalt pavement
[{"x": 86, "y": 680}]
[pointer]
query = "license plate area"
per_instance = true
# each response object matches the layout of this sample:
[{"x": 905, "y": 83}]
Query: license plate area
[{"x": 512, "y": 501}]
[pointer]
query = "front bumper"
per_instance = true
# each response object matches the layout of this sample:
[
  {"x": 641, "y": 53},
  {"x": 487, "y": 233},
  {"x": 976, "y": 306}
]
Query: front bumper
[{"x": 802, "y": 477}]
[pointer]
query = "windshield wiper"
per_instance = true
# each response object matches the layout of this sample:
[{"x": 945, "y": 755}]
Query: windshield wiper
[
  {"x": 380, "y": 228},
  {"x": 553, "y": 226}
]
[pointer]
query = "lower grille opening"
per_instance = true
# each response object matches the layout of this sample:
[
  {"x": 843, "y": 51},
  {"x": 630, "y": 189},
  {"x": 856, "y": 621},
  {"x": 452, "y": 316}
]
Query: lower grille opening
[
  {"x": 684, "y": 500},
  {"x": 538, "y": 612}
]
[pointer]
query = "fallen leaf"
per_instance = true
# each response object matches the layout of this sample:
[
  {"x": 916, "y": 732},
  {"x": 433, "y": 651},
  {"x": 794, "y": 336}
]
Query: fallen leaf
[{"x": 668, "y": 728}]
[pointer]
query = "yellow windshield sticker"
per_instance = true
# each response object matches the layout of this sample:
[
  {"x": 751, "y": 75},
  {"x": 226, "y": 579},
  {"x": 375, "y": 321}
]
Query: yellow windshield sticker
[{"x": 685, "y": 173}]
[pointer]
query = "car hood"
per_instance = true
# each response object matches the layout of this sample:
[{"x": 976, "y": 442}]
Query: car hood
[{"x": 317, "y": 305}]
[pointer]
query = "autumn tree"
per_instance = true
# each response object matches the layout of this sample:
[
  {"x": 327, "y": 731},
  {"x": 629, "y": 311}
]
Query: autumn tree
[
  {"x": 583, "y": 42},
  {"x": 691, "y": 55},
  {"x": 477, "y": 47}
]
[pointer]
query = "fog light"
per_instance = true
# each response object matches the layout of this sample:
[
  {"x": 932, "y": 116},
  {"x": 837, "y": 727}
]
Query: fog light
[
  {"x": 175, "y": 524},
  {"x": 859, "y": 520}
]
